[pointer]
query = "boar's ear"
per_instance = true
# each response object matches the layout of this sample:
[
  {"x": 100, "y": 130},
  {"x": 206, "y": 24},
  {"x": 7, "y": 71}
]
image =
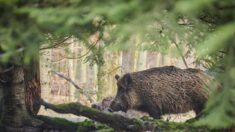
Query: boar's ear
[
  {"x": 127, "y": 79},
  {"x": 117, "y": 76}
]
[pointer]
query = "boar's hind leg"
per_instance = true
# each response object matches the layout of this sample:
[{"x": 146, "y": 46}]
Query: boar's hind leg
[
  {"x": 198, "y": 110},
  {"x": 198, "y": 106}
]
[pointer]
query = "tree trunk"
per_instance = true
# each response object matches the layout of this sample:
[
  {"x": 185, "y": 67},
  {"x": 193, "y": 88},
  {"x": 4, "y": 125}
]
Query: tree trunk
[
  {"x": 32, "y": 86},
  {"x": 100, "y": 82},
  {"x": 101, "y": 74},
  {"x": 151, "y": 59},
  {"x": 71, "y": 70},
  {"x": 45, "y": 77},
  {"x": 15, "y": 113},
  {"x": 128, "y": 61},
  {"x": 141, "y": 63}
]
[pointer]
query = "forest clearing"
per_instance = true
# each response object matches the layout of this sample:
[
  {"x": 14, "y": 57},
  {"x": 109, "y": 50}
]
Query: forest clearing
[{"x": 104, "y": 66}]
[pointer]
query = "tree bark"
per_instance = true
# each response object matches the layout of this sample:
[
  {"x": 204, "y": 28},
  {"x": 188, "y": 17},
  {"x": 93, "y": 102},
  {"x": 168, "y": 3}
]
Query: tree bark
[
  {"x": 15, "y": 113},
  {"x": 32, "y": 86}
]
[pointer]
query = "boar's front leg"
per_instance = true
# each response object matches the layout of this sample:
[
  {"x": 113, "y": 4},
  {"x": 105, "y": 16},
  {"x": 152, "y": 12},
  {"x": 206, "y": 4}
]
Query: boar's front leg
[{"x": 155, "y": 113}]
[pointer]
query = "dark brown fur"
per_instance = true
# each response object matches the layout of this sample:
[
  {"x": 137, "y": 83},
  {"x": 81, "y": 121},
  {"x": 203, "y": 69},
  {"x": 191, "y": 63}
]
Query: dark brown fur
[{"x": 162, "y": 90}]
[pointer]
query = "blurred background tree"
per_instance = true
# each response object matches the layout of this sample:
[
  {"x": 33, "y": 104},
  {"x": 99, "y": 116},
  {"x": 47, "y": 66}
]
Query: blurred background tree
[{"x": 206, "y": 26}]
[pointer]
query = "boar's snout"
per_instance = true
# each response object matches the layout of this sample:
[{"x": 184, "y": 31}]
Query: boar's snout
[
  {"x": 110, "y": 110},
  {"x": 117, "y": 106},
  {"x": 96, "y": 106}
]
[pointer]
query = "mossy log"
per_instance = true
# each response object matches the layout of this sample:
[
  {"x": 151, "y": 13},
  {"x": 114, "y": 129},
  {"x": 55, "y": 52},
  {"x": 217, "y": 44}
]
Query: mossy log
[
  {"x": 57, "y": 123},
  {"x": 60, "y": 124},
  {"x": 118, "y": 122}
]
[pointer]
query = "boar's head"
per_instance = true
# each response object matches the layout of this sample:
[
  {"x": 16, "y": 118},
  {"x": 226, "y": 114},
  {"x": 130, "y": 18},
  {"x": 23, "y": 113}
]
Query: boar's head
[{"x": 127, "y": 96}]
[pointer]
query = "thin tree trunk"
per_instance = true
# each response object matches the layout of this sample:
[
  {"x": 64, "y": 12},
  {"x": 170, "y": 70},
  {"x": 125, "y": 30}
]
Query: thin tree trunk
[
  {"x": 72, "y": 69},
  {"x": 128, "y": 61},
  {"x": 45, "y": 78},
  {"x": 142, "y": 60},
  {"x": 83, "y": 68},
  {"x": 101, "y": 82},
  {"x": 101, "y": 74},
  {"x": 151, "y": 59}
]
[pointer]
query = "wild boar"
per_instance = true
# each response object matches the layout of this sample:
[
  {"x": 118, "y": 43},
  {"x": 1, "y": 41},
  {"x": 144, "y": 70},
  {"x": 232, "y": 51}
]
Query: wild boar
[{"x": 162, "y": 90}]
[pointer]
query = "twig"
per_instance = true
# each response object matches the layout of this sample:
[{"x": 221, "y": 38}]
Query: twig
[
  {"x": 56, "y": 44},
  {"x": 181, "y": 55},
  {"x": 88, "y": 95},
  {"x": 67, "y": 79},
  {"x": 17, "y": 51},
  {"x": 80, "y": 56},
  {"x": 7, "y": 70},
  {"x": 75, "y": 57},
  {"x": 114, "y": 69}
]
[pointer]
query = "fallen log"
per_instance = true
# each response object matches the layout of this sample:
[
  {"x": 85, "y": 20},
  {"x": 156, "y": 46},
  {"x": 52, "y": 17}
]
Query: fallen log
[
  {"x": 118, "y": 122},
  {"x": 57, "y": 124}
]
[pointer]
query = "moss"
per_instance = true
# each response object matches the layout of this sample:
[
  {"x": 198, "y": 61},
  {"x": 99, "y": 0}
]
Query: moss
[
  {"x": 139, "y": 123},
  {"x": 89, "y": 125},
  {"x": 179, "y": 127},
  {"x": 64, "y": 122},
  {"x": 65, "y": 106},
  {"x": 103, "y": 128},
  {"x": 145, "y": 122},
  {"x": 175, "y": 126},
  {"x": 160, "y": 125},
  {"x": 86, "y": 125}
]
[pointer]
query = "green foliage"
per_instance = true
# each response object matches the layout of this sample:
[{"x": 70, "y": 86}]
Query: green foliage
[
  {"x": 205, "y": 25},
  {"x": 217, "y": 40},
  {"x": 218, "y": 50},
  {"x": 192, "y": 5},
  {"x": 220, "y": 109}
]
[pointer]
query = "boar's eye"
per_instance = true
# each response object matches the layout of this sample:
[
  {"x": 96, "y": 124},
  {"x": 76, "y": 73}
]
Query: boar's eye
[
  {"x": 117, "y": 77},
  {"x": 120, "y": 88}
]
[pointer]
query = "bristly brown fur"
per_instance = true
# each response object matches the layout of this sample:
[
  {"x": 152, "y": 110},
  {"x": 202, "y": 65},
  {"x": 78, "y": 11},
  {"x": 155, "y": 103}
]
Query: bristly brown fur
[{"x": 166, "y": 90}]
